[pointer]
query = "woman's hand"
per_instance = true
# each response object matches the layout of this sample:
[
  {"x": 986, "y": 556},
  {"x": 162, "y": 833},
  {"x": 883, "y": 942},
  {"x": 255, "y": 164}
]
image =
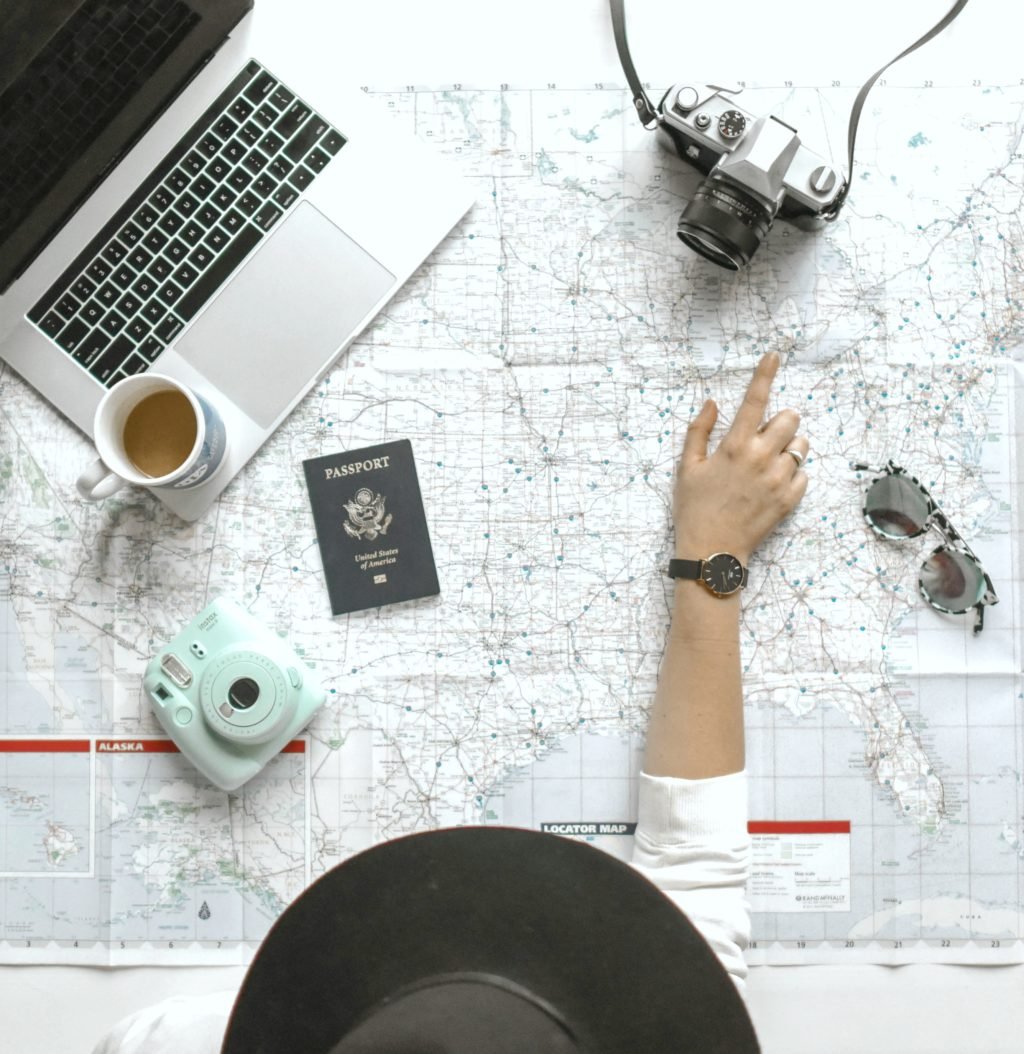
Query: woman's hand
[{"x": 728, "y": 502}]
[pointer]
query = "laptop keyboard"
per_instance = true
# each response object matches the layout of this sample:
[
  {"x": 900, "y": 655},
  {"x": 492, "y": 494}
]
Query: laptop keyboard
[{"x": 190, "y": 224}]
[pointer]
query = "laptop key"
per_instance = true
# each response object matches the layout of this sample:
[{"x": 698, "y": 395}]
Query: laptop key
[
  {"x": 150, "y": 348},
  {"x": 208, "y": 215},
  {"x": 170, "y": 222},
  {"x": 114, "y": 253},
  {"x": 260, "y": 88},
  {"x": 216, "y": 239},
  {"x": 155, "y": 240},
  {"x": 169, "y": 328},
  {"x": 91, "y": 312},
  {"x": 146, "y": 217},
  {"x": 232, "y": 220},
  {"x": 292, "y": 120},
  {"x": 209, "y": 145},
  {"x": 224, "y": 197},
  {"x": 332, "y": 142},
  {"x": 185, "y": 275},
  {"x": 249, "y": 203},
  {"x": 52, "y": 324},
  {"x": 225, "y": 127},
  {"x": 144, "y": 286},
  {"x": 113, "y": 323},
  {"x": 280, "y": 167},
  {"x": 305, "y": 138},
  {"x": 191, "y": 232},
  {"x": 83, "y": 288},
  {"x": 111, "y": 360},
  {"x": 91, "y": 348},
  {"x": 239, "y": 179},
  {"x": 139, "y": 258},
  {"x": 176, "y": 251},
  {"x": 123, "y": 276},
  {"x": 67, "y": 306},
  {"x": 241, "y": 108},
  {"x": 282, "y": 97},
  {"x": 130, "y": 234},
  {"x": 255, "y": 162},
  {"x": 317, "y": 160},
  {"x": 98, "y": 269},
  {"x": 264, "y": 186},
  {"x": 218, "y": 272},
  {"x": 266, "y": 115},
  {"x": 218, "y": 168},
  {"x": 202, "y": 186},
  {"x": 270, "y": 144},
  {"x": 200, "y": 257},
  {"x": 108, "y": 293},
  {"x": 178, "y": 180},
  {"x": 285, "y": 196},
  {"x": 169, "y": 293},
  {"x": 250, "y": 133},
  {"x": 186, "y": 205},
  {"x": 68, "y": 338},
  {"x": 135, "y": 364},
  {"x": 267, "y": 216},
  {"x": 194, "y": 163},
  {"x": 154, "y": 311},
  {"x": 160, "y": 269},
  {"x": 301, "y": 178},
  {"x": 137, "y": 329},
  {"x": 128, "y": 304},
  {"x": 160, "y": 199},
  {"x": 235, "y": 151}
]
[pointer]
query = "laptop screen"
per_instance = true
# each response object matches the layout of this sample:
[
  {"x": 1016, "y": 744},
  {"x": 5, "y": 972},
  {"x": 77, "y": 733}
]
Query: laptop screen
[{"x": 80, "y": 82}]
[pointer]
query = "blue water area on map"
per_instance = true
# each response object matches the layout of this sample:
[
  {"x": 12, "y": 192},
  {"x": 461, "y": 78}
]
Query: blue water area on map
[{"x": 22, "y": 706}]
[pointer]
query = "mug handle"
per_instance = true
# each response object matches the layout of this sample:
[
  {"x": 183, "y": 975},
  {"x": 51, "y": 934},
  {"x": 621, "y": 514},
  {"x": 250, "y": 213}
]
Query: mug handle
[{"x": 98, "y": 482}]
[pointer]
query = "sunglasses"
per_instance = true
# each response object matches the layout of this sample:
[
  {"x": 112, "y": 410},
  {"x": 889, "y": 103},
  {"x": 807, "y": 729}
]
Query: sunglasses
[{"x": 952, "y": 579}]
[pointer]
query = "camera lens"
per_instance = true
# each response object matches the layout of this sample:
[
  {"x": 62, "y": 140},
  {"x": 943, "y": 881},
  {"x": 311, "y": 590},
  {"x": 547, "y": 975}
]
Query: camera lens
[
  {"x": 724, "y": 223},
  {"x": 243, "y": 693}
]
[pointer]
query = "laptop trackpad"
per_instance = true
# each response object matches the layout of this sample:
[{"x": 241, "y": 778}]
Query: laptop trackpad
[{"x": 283, "y": 316}]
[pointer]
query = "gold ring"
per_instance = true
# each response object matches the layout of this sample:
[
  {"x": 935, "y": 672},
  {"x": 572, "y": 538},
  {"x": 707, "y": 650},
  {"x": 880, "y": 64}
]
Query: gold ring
[{"x": 796, "y": 456}]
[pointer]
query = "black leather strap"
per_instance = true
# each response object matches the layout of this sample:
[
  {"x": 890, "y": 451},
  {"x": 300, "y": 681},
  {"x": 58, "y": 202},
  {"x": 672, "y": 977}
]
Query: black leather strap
[
  {"x": 650, "y": 117},
  {"x": 684, "y": 569},
  {"x": 858, "y": 103}
]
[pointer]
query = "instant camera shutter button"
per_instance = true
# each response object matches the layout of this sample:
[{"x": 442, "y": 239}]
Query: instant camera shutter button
[
  {"x": 182, "y": 716},
  {"x": 294, "y": 677},
  {"x": 823, "y": 179}
]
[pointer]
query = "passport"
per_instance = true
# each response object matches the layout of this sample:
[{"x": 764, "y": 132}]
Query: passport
[{"x": 371, "y": 527}]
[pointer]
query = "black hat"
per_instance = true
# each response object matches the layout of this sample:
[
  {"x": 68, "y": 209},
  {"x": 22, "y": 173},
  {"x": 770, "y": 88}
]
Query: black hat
[{"x": 486, "y": 940}]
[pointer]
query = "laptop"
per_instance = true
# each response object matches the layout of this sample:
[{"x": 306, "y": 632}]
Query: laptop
[{"x": 185, "y": 195}]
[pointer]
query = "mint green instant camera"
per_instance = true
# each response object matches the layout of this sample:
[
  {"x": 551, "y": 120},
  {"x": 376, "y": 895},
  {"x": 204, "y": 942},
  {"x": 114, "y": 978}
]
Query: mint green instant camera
[{"x": 230, "y": 693}]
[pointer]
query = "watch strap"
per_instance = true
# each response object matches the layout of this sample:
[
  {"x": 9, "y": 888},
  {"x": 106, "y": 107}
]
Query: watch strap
[{"x": 685, "y": 569}]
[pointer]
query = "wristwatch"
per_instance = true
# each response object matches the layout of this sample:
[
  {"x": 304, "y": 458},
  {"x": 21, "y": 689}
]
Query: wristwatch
[{"x": 721, "y": 573}]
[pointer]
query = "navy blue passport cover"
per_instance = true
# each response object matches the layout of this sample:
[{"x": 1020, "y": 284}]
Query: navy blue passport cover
[{"x": 371, "y": 527}]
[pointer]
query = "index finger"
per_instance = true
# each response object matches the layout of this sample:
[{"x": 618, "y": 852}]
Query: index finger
[{"x": 751, "y": 412}]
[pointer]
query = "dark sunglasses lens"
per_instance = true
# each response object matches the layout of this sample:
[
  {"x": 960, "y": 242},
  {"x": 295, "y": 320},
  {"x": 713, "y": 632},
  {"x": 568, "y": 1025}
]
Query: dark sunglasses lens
[
  {"x": 952, "y": 580},
  {"x": 896, "y": 507}
]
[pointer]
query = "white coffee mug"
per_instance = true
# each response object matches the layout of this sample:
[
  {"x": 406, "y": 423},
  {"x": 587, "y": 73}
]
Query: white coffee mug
[{"x": 149, "y": 441}]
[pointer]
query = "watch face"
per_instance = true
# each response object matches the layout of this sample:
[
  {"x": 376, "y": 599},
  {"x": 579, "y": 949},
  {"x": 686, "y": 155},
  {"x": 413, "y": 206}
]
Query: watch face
[{"x": 722, "y": 574}]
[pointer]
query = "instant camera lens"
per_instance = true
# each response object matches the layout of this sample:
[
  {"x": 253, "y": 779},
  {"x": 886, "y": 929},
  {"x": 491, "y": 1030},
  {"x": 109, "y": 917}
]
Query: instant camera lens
[
  {"x": 896, "y": 507},
  {"x": 243, "y": 693},
  {"x": 724, "y": 223}
]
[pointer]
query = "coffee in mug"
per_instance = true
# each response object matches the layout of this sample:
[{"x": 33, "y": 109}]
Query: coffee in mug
[{"x": 154, "y": 431}]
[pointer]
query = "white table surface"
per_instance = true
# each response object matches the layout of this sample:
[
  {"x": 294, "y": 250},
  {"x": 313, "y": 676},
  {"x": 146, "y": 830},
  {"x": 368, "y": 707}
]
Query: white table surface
[{"x": 800, "y": 1010}]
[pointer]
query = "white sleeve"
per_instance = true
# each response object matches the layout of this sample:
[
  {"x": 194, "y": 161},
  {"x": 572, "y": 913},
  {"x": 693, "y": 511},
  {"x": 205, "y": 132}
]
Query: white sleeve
[
  {"x": 195, "y": 1024},
  {"x": 692, "y": 843}
]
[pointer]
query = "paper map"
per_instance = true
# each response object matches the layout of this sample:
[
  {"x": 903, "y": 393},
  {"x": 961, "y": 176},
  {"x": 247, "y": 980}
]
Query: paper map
[{"x": 544, "y": 364}]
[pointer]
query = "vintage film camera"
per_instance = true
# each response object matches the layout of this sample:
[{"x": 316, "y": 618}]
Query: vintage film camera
[
  {"x": 756, "y": 167},
  {"x": 230, "y": 693}
]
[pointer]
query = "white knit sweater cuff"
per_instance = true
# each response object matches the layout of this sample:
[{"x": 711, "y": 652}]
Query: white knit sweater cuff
[{"x": 673, "y": 811}]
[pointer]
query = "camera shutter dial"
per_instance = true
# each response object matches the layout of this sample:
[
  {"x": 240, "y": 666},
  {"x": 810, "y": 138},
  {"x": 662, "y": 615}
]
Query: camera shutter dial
[{"x": 732, "y": 124}]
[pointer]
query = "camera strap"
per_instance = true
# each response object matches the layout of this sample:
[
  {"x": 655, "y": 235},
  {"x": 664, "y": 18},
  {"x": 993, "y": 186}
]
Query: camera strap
[{"x": 651, "y": 117}]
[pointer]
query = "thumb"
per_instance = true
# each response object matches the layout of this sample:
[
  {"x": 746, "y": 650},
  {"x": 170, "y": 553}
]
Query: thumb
[{"x": 695, "y": 448}]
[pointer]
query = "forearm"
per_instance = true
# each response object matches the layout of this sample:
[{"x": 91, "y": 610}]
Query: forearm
[{"x": 696, "y": 725}]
